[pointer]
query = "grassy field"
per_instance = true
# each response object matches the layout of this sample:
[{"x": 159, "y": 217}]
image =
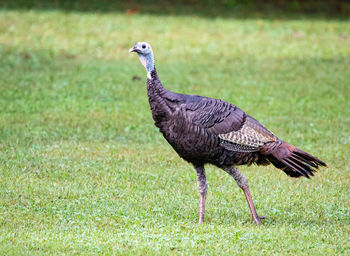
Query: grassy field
[{"x": 84, "y": 171}]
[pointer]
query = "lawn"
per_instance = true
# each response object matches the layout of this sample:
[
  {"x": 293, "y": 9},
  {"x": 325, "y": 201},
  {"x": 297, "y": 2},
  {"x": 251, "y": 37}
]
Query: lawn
[{"x": 84, "y": 171}]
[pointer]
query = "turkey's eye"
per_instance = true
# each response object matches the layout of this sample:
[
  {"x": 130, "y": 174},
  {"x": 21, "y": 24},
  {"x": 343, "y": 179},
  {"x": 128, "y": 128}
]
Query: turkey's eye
[{"x": 143, "y": 46}]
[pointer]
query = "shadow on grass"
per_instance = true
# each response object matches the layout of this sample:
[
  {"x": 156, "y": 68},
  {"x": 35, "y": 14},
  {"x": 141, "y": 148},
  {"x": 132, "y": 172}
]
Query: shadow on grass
[{"x": 237, "y": 9}]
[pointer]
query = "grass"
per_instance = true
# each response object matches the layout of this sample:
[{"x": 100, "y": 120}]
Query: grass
[{"x": 84, "y": 171}]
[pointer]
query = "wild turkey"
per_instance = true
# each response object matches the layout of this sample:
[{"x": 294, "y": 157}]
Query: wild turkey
[{"x": 204, "y": 130}]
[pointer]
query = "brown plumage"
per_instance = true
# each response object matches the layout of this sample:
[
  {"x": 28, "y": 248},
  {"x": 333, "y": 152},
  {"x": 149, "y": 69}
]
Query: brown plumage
[{"x": 204, "y": 130}]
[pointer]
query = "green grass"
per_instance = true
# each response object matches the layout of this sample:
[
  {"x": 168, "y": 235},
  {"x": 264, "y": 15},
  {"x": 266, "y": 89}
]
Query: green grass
[{"x": 84, "y": 171}]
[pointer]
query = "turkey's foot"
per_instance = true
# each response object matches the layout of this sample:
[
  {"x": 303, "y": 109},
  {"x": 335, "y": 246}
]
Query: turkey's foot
[{"x": 257, "y": 219}]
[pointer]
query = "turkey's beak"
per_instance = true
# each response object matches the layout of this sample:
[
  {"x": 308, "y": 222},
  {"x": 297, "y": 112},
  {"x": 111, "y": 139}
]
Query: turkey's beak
[{"x": 134, "y": 49}]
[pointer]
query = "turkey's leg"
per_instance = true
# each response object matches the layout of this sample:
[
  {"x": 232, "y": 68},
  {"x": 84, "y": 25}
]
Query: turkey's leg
[
  {"x": 256, "y": 217},
  {"x": 243, "y": 184},
  {"x": 202, "y": 189}
]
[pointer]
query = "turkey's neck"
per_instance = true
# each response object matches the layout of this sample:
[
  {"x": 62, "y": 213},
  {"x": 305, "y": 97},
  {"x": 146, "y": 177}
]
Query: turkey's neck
[
  {"x": 156, "y": 93},
  {"x": 148, "y": 62},
  {"x": 155, "y": 88}
]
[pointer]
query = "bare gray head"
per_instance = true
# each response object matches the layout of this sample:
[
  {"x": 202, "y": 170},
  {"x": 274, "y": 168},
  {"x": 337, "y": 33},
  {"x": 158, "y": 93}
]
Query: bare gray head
[{"x": 145, "y": 53}]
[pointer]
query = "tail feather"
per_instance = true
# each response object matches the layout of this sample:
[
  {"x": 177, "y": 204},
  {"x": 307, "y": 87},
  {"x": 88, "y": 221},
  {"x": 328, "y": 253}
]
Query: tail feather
[
  {"x": 300, "y": 167},
  {"x": 309, "y": 157},
  {"x": 298, "y": 159},
  {"x": 293, "y": 161}
]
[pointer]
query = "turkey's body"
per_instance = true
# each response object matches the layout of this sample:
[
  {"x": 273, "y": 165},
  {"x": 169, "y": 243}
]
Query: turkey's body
[
  {"x": 204, "y": 130},
  {"x": 187, "y": 123}
]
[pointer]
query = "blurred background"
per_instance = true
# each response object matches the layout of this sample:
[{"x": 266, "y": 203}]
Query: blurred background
[
  {"x": 211, "y": 8},
  {"x": 83, "y": 170}
]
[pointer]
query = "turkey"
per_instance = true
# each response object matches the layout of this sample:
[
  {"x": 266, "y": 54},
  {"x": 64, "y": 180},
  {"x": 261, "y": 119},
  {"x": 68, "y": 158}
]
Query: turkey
[{"x": 212, "y": 131}]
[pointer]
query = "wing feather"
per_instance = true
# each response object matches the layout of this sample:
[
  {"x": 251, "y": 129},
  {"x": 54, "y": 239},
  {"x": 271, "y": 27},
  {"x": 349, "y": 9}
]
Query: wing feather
[{"x": 236, "y": 130}]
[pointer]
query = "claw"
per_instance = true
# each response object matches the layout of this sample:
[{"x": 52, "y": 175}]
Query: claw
[{"x": 258, "y": 219}]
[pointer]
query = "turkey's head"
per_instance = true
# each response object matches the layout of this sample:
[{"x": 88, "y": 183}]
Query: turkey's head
[{"x": 145, "y": 53}]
